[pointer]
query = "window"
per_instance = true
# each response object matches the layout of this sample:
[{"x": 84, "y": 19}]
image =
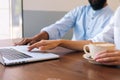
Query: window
[{"x": 10, "y": 19}]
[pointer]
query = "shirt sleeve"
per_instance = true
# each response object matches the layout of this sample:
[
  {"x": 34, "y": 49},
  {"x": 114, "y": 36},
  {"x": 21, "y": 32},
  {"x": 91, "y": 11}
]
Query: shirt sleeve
[
  {"x": 107, "y": 35},
  {"x": 58, "y": 29}
]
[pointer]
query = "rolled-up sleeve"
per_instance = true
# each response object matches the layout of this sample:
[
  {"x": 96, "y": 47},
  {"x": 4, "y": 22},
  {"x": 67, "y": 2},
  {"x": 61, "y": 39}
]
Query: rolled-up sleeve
[{"x": 59, "y": 29}]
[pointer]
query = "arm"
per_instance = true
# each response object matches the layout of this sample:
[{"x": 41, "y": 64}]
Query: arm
[
  {"x": 51, "y": 44},
  {"x": 74, "y": 45},
  {"x": 62, "y": 26},
  {"x": 42, "y": 35}
]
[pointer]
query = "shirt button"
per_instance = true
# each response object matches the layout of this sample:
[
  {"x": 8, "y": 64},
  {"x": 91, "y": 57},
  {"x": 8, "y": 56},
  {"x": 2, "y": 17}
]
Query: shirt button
[{"x": 92, "y": 17}]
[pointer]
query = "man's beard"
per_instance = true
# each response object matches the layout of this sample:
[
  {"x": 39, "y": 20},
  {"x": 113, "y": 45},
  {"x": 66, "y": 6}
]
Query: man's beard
[{"x": 97, "y": 4}]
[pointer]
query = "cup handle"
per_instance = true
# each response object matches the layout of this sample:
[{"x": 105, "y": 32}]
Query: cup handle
[{"x": 85, "y": 49}]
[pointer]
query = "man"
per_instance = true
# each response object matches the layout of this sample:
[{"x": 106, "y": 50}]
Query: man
[
  {"x": 110, "y": 34},
  {"x": 86, "y": 21}
]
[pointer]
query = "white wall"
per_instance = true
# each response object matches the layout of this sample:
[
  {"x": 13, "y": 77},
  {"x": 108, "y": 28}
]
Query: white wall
[
  {"x": 52, "y": 5},
  {"x": 60, "y": 5}
]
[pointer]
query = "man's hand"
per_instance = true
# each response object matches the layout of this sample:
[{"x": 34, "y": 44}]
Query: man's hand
[
  {"x": 42, "y": 35},
  {"x": 25, "y": 41}
]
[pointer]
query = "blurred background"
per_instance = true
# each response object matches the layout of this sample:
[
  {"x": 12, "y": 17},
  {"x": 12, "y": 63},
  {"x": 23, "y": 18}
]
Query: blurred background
[{"x": 25, "y": 18}]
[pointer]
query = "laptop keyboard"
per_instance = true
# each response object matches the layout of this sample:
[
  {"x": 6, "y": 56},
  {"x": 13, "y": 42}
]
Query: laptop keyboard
[{"x": 12, "y": 54}]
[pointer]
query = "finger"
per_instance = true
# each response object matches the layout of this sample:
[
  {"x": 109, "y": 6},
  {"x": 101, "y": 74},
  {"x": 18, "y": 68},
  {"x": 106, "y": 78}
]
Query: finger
[
  {"x": 22, "y": 42},
  {"x": 19, "y": 43},
  {"x": 42, "y": 48},
  {"x": 103, "y": 52},
  {"x": 32, "y": 42},
  {"x": 111, "y": 54},
  {"x": 108, "y": 59},
  {"x": 32, "y": 46},
  {"x": 36, "y": 45}
]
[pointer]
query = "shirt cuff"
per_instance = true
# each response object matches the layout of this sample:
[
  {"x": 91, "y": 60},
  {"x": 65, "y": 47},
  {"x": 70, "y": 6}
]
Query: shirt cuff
[{"x": 50, "y": 32}]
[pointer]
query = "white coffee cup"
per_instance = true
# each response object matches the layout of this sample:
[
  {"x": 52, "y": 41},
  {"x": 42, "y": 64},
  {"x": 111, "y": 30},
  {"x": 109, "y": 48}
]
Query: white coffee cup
[{"x": 94, "y": 48}]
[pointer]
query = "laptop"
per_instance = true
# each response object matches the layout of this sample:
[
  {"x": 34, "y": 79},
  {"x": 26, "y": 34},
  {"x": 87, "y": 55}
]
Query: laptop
[{"x": 20, "y": 54}]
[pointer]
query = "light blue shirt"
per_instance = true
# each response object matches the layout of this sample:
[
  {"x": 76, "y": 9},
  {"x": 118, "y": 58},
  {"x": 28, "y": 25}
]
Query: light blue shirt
[
  {"x": 85, "y": 21},
  {"x": 111, "y": 33}
]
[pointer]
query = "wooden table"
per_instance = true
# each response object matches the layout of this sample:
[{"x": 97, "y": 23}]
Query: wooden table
[{"x": 70, "y": 66}]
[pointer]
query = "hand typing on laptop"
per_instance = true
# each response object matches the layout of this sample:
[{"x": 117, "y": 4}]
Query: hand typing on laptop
[
  {"x": 34, "y": 39},
  {"x": 45, "y": 45}
]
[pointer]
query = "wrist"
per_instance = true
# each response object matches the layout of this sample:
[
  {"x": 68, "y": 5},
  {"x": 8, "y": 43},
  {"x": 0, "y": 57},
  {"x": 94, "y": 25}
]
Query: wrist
[
  {"x": 60, "y": 41},
  {"x": 41, "y": 36},
  {"x": 34, "y": 38}
]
